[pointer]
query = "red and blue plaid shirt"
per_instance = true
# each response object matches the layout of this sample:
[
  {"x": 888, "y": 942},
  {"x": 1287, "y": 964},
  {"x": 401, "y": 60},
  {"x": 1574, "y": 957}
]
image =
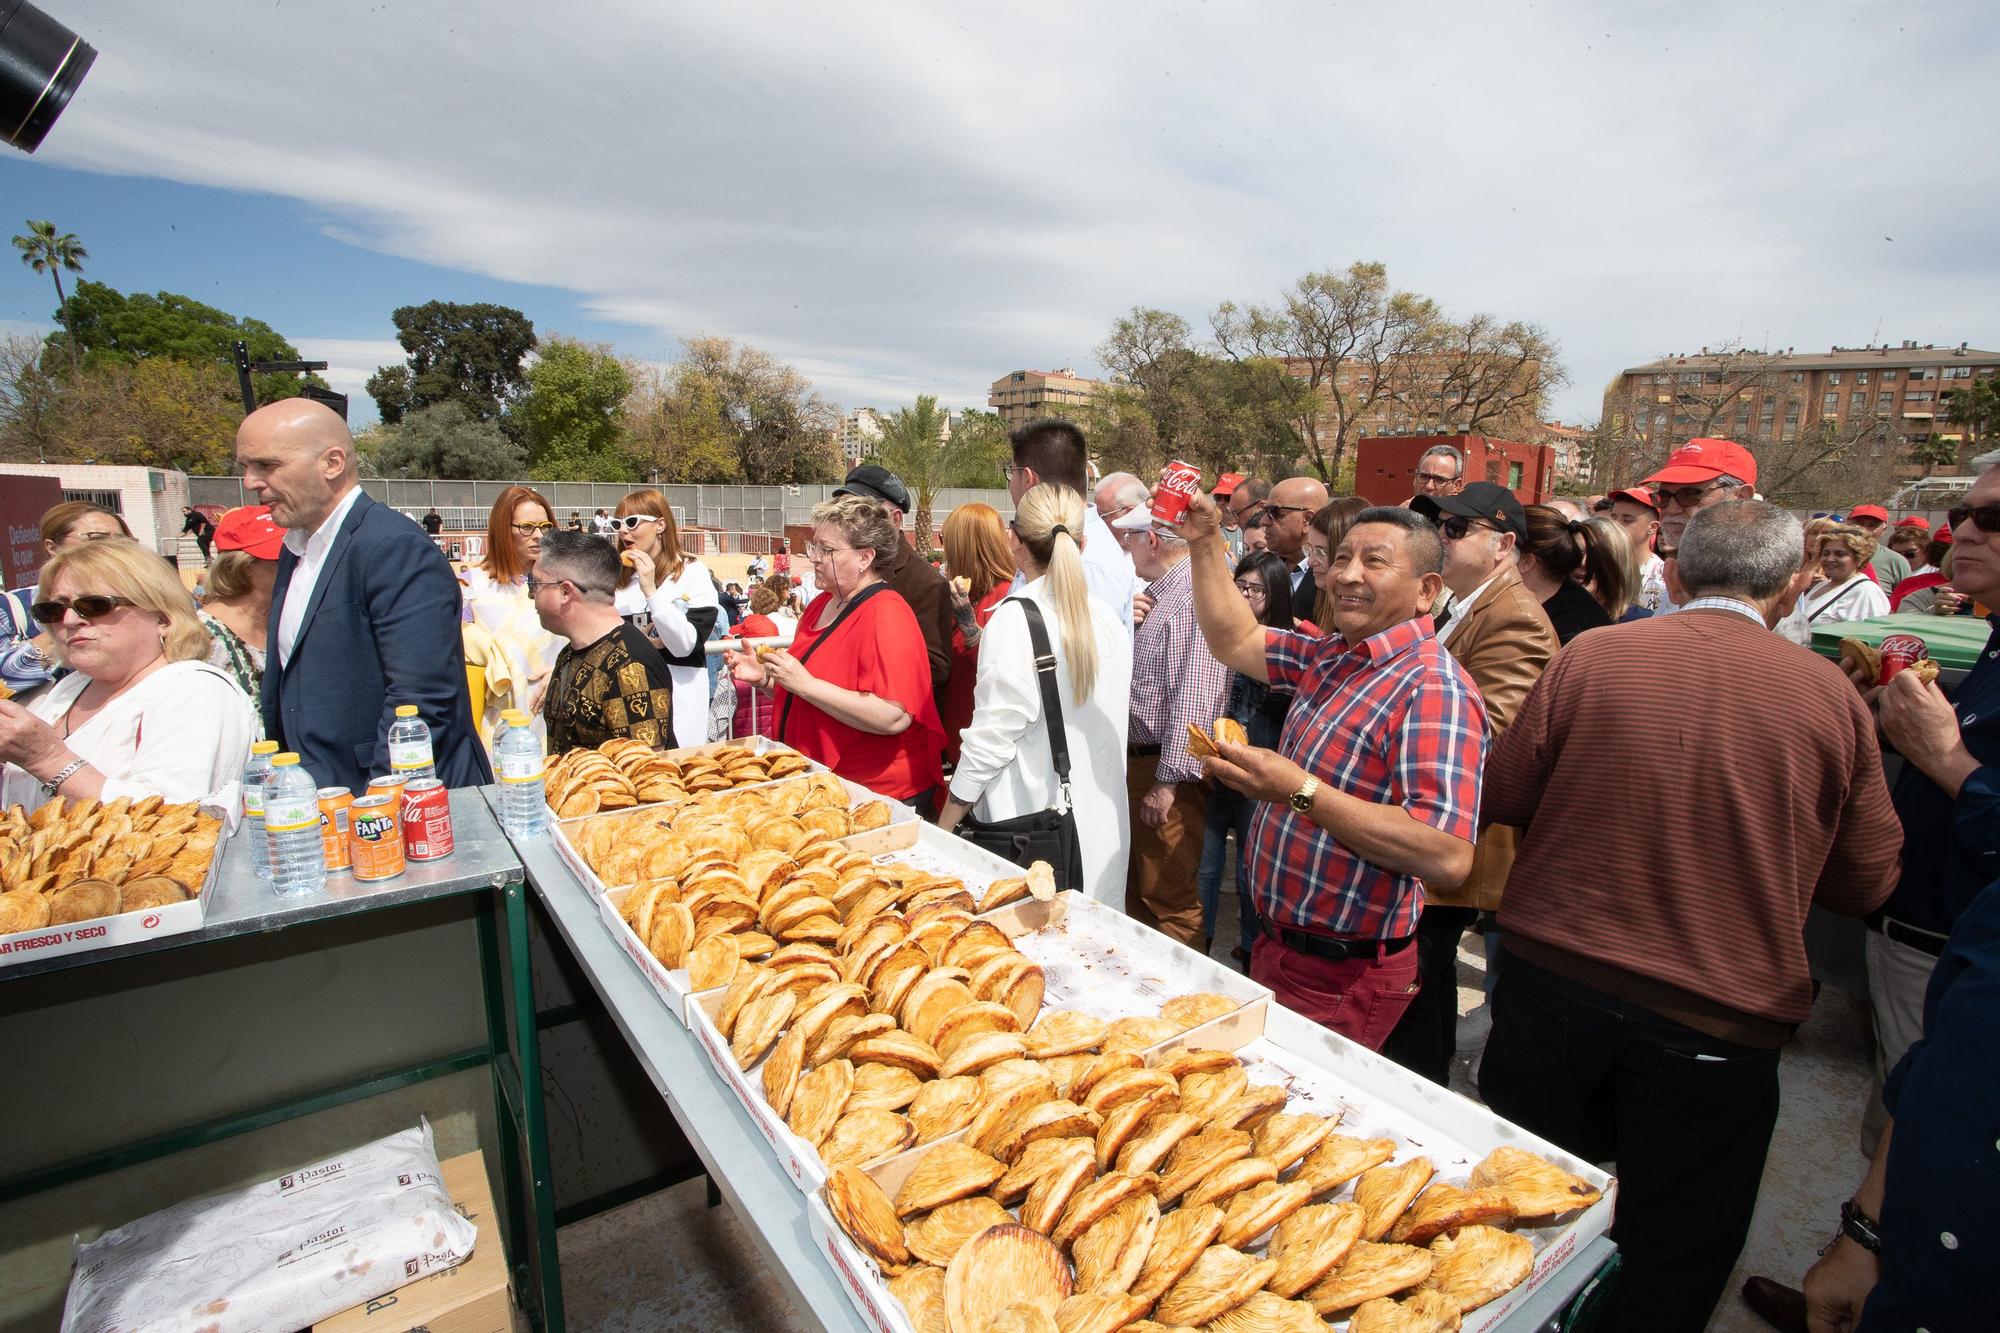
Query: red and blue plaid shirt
[{"x": 1393, "y": 719}]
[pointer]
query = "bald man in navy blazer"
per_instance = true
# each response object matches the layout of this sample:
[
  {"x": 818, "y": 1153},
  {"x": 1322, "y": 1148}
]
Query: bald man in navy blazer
[{"x": 365, "y": 613}]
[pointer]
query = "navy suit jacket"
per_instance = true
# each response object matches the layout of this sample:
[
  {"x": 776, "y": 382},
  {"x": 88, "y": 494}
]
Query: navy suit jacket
[{"x": 382, "y": 629}]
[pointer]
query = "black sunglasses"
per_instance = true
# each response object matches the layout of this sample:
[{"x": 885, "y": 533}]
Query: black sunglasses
[
  {"x": 1453, "y": 527},
  {"x": 1986, "y": 518},
  {"x": 91, "y": 606}
]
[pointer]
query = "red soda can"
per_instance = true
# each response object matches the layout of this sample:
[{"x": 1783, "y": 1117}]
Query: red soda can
[
  {"x": 1900, "y": 651},
  {"x": 426, "y": 819},
  {"x": 375, "y": 838},
  {"x": 1179, "y": 484},
  {"x": 335, "y": 803}
]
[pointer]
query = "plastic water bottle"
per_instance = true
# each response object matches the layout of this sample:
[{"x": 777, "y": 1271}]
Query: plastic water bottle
[
  {"x": 255, "y": 773},
  {"x": 519, "y": 764},
  {"x": 410, "y": 745},
  {"x": 291, "y": 819}
]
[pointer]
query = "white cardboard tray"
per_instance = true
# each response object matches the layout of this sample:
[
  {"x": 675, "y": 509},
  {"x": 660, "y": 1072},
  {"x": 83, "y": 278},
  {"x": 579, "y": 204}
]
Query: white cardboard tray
[
  {"x": 1324, "y": 1072},
  {"x": 125, "y": 927},
  {"x": 1088, "y": 963}
]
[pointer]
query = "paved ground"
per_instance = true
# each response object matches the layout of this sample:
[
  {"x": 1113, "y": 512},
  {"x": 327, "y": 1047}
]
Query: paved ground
[{"x": 669, "y": 1262}]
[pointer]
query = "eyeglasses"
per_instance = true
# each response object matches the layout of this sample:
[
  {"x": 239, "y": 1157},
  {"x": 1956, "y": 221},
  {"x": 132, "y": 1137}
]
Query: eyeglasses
[
  {"x": 1009, "y": 470},
  {"x": 631, "y": 521},
  {"x": 1986, "y": 518},
  {"x": 814, "y": 551},
  {"x": 1454, "y": 528},
  {"x": 1259, "y": 515},
  {"x": 1432, "y": 479},
  {"x": 1252, "y": 590},
  {"x": 1601, "y": 507},
  {"x": 90, "y": 606},
  {"x": 530, "y": 528},
  {"x": 1687, "y": 497},
  {"x": 1318, "y": 555}
]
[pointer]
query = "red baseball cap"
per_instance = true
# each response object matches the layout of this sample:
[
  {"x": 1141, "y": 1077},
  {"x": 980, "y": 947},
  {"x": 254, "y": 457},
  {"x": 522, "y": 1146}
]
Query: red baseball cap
[
  {"x": 1876, "y": 512},
  {"x": 1226, "y": 484},
  {"x": 1913, "y": 521},
  {"x": 1638, "y": 495},
  {"x": 757, "y": 627},
  {"x": 249, "y": 528},
  {"x": 1705, "y": 460}
]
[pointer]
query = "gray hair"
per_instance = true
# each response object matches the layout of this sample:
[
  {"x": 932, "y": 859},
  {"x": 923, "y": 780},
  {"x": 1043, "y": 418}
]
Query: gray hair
[
  {"x": 864, "y": 523},
  {"x": 588, "y": 561},
  {"x": 1445, "y": 451},
  {"x": 1746, "y": 546},
  {"x": 1127, "y": 491}
]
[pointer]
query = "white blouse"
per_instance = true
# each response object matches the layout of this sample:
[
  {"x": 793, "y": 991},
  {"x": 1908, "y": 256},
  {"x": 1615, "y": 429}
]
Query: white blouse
[
  {"x": 1005, "y": 766},
  {"x": 1858, "y": 598},
  {"x": 664, "y": 615},
  {"x": 183, "y": 733}
]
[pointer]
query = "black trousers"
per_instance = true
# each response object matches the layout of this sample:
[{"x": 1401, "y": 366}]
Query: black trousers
[
  {"x": 1686, "y": 1116},
  {"x": 1426, "y": 1038}
]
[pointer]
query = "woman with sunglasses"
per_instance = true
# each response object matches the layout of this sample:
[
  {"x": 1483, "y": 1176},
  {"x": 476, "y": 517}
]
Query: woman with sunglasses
[
  {"x": 671, "y": 598},
  {"x": 25, "y": 661},
  {"x": 854, "y": 689},
  {"x": 496, "y": 599},
  {"x": 141, "y": 713}
]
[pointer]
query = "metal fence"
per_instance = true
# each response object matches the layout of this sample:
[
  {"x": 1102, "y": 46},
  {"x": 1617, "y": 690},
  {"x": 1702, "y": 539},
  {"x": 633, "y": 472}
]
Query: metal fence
[{"x": 464, "y": 505}]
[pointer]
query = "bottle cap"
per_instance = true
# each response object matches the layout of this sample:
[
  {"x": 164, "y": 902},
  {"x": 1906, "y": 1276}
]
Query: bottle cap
[
  {"x": 406, "y": 710},
  {"x": 264, "y": 747},
  {"x": 280, "y": 761}
]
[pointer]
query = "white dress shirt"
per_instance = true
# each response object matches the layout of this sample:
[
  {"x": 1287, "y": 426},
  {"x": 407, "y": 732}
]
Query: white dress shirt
[
  {"x": 1460, "y": 607},
  {"x": 1005, "y": 767},
  {"x": 1107, "y": 569},
  {"x": 312, "y": 552}
]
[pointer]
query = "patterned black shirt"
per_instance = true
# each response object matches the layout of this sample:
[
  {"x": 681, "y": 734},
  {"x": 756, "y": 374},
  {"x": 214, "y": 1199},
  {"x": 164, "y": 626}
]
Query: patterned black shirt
[{"x": 618, "y": 686}]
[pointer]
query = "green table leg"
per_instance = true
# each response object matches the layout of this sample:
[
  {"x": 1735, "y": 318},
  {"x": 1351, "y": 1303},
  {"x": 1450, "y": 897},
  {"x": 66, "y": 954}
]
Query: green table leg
[{"x": 517, "y": 1099}]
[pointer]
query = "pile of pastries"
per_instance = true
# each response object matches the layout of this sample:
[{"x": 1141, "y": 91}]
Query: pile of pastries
[
  {"x": 72, "y": 861},
  {"x": 622, "y": 773},
  {"x": 724, "y": 828},
  {"x": 1114, "y": 1194}
]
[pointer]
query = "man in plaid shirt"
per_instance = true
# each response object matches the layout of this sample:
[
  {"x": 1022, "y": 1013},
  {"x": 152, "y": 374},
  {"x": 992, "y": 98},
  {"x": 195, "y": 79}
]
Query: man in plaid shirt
[
  {"x": 1374, "y": 787},
  {"x": 1175, "y": 680}
]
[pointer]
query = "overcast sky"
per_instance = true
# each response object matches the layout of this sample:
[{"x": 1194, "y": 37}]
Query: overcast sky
[{"x": 907, "y": 198}]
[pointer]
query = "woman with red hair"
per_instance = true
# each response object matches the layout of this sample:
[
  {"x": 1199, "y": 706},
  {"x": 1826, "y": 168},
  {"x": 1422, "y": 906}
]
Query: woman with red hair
[{"x": 497, "y": 600}]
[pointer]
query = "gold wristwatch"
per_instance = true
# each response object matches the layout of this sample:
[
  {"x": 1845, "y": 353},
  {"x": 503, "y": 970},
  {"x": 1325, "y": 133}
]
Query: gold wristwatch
[{"x": 1302, "y": 799}]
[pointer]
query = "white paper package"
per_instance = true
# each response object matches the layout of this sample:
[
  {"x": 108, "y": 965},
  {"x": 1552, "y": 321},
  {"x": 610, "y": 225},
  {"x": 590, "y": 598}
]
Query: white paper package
[{"x": 279, "y": 1256}]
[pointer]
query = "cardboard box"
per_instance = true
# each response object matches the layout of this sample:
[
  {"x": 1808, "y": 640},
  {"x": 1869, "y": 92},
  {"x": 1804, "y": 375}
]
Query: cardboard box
[{"x": 471, "y": 1298}]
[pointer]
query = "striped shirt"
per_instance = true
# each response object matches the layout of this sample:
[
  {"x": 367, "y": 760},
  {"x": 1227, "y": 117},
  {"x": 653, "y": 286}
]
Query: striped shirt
[
  {"x": 1391, "y": 720},
  {"x": 1175, "y": 679}
]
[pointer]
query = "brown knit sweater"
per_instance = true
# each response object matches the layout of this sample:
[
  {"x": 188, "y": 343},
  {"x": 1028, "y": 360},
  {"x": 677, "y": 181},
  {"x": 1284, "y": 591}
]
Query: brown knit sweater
[{"x": 1686, "y": 890}]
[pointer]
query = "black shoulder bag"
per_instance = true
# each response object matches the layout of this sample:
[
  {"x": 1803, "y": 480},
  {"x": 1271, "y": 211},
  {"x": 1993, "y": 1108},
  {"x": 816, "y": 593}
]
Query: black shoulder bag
[{"x": 1046, "y": 835}]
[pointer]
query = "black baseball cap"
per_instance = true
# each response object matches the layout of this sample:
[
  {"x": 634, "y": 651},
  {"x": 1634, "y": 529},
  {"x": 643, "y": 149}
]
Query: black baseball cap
[
  {"x": 872, "y": 482},
  {"x": 1485, "y": 500}
]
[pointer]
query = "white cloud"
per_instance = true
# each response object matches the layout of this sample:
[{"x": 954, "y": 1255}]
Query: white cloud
[{"x": 903, "y": 197}]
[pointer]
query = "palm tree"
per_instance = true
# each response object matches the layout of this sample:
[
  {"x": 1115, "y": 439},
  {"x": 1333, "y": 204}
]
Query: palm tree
[
  {"x": 914, "y": 447},
  {"x": 46, "y": 250}
]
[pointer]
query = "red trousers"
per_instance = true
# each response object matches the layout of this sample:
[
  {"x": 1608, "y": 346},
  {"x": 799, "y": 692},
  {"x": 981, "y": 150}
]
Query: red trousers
[{"x": 1360, "y": 998}]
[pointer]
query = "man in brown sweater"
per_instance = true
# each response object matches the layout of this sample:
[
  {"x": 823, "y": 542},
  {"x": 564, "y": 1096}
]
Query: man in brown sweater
[{"x": 1643, "y": 998}]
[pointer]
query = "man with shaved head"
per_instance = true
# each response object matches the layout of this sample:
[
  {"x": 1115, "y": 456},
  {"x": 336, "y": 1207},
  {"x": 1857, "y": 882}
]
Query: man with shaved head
[
  {"x": 1285, "y": 516},
  {"x": 364, "y": 614}
]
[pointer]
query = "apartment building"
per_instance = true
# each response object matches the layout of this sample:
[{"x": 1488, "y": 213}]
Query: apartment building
[
  {"x": 1024, "y": 395},
  {"x": 1887, "y": 397},
  {"x": 860, "y": 432}
]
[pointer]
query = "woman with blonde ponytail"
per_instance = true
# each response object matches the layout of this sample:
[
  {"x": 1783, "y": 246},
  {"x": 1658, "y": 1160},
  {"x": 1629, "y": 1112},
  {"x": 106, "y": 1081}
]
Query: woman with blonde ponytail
[{"x": 1006, "y": 768}]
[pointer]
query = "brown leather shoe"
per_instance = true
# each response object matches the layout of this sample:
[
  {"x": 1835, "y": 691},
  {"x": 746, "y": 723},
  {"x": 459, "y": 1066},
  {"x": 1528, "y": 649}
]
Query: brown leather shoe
[{"x": 1782, "y": 1307}]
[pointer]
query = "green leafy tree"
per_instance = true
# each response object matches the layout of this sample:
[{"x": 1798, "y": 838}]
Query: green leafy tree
[
  {"x": 444, "y": 440},
  {"x": 571, "y": 415},
  {"x": 158, "y": 412},
  {"x": 676, "y": 429},
  {"x": 1976, "y": 411},
  {"x": 46, "y": 250},
  {"x": 979, "y": 448},
  {"x": 112, "y": 328},
  {"x": 782, "y": 431},
  {"x": 914, "y": 447},
  {"x": 30, "y": 401},
  {"x": 472, "y": 354}
]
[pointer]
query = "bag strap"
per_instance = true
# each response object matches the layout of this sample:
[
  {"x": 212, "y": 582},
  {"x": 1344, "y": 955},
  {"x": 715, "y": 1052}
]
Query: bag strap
[
  {"x": 1045, "y": 676},
  {"x": 786, "y": 714}
]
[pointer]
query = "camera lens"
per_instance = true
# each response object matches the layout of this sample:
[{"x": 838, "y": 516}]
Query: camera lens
[{"x": 41, "y": 63}]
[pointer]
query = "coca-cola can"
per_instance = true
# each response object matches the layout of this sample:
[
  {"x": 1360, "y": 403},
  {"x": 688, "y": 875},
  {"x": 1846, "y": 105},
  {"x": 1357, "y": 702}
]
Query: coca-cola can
[
  {"x": 1179, "y": 484},
  {"x": 426, "y": 819},
  {"x": 1900, "y": 651}
]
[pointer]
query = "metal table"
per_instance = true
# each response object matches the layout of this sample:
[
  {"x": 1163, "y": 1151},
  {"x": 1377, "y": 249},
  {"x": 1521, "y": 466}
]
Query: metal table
[
  {"x": 240, "y": 904},
  {"x": 738, "y": 1158}
]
